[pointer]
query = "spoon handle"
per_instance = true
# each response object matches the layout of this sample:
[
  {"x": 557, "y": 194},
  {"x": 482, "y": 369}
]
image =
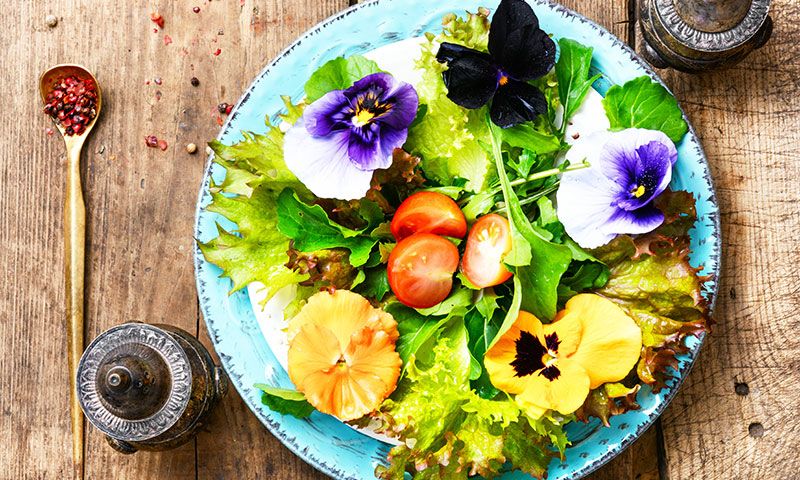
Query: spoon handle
[{"x": 74, "y": 247}]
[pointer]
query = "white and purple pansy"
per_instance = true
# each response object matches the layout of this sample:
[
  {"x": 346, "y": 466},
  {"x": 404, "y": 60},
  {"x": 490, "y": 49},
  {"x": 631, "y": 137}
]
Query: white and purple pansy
[
  {"x": 614, "y": 196},
  {"x": 346, "y": 135}
]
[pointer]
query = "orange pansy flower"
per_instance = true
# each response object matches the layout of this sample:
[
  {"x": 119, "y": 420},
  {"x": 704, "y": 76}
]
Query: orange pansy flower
[
  {"x": 342, "y": 354},
  {"x": 553, "y": 367}
]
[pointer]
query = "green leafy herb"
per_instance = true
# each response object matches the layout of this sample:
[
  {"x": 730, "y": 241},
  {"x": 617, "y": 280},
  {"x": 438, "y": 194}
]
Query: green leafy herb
[
  {"x": 526, "y": 136},
  {"x": 285, "y": 402},
  {"x": 642, "y": 103},
  {"x": 572, "y": 70},
  {"x": 539, "y": 263},
  {"x": 375, "y": 285},
  {"x": 338, "y": 74},
  {"x": 312, "y": 230},
  {"x": 454, "y": 433}
]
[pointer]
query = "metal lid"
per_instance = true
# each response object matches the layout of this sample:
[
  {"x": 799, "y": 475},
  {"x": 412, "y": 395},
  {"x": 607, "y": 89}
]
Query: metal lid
[{"x": 134, "y": 382}]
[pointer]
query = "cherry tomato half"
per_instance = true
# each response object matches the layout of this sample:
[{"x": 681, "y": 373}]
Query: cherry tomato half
[
  {"x": 429, "y": 212},
  {"x": 488, "y": 242},
  {"x": 421, "y": 269}
]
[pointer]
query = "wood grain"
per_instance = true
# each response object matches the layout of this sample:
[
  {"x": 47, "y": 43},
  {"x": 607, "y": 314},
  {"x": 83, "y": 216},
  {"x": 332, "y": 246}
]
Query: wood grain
[
  {"x": 140, "y": 206},
  {"x": 747, "y": 120}
]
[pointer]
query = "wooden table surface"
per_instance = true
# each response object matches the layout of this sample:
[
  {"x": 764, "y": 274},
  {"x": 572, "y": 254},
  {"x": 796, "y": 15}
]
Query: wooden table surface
[{"x": 736, "y": 417}]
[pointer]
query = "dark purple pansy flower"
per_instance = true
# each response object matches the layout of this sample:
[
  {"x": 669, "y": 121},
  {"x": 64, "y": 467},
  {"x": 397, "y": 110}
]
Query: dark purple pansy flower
[
  {"x": 347, "y": 134},
  {"x": 519, "y": 51},
  {"x": 629, "y": 169}
]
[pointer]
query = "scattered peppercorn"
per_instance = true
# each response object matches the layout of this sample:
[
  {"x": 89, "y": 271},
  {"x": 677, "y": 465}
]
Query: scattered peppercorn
[
  {"x": 51, "y": 21},
  {"x": 157, "y": 19},
  {"x": 223, "y": 107},
  {"x": 191, "y": 148},
  {"x": 71, "y": 103},
  {"x": 151, "y": 141},
  {"x": 157, "y": 80},
  {"x": 196, "y": 9},
  {"x": 217, "y": 52},
  {"x": 162, "y": 144},
  {"x": 167, "y": 39},
  {"x": 195, "y": 81}
]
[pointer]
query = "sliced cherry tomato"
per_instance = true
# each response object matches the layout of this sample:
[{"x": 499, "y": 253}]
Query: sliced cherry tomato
[
  {"x": 421, "y": 269},
  {"x": 488, "y": 242},
  {"x": 429, "y": 212}
]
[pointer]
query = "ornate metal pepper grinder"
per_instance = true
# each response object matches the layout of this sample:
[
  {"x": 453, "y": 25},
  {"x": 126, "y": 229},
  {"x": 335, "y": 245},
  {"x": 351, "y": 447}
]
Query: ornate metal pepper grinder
[
  {"x": 147, "y": 387},
  {"x": 701, "y": 35}
]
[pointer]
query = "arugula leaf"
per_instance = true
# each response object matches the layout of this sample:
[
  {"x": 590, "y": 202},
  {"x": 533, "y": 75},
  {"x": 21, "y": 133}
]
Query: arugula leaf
[
  {"x": 572, "y": 71},
  {"x": 375, "y": 285},
  {"x": 338, "y": 74},
  {"x": 459, "y": 298},
  {"x": 539, "y": 263},
  {"x": 285, "y": 402},
  {"x": 529, "y": 138},
  {"x": 415, "y": 330},
  {"x": 311, "y": 229},
  {"x": 642, "y": 103},
  {"x": 481, "y": 330}
]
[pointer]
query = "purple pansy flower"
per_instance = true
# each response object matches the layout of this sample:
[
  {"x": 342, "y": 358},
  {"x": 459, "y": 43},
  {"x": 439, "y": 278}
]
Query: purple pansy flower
[
  {"x": 347, "y": 134},
  {"x": 629, "y": 169}
]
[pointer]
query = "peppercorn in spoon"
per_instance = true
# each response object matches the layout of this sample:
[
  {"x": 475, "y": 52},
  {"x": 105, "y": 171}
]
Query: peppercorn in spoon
[{"x": 72, "y": 99}]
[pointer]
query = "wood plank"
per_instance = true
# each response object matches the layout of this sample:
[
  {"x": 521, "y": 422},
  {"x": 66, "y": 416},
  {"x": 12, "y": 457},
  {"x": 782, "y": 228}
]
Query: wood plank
[
  {"x": 737, "y": 415},
  {"x": 34, "y": 418}
]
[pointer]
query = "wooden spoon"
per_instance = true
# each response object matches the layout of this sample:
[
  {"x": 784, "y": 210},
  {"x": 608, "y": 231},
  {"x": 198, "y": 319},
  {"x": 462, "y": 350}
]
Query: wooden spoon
[{"x": 74, "y": 247}]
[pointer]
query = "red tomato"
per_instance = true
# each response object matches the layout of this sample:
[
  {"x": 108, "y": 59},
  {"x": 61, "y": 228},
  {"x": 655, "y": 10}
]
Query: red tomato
[
  {"x": 421, "y": 269},
  {"x": 429, "y": 212},
  {"x": 488, "y": 242}
]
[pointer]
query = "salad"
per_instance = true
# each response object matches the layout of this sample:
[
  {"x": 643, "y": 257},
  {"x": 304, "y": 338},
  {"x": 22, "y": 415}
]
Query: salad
[{"x": 467, "y": 272}]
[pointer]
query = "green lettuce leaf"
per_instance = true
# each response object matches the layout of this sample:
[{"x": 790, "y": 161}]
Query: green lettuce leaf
[
  {"x": 338, "y": 74},
  {"x": 255, "y": 174},
  {"x": 285, "y": 402},
  {"x": 310, "y": 229},
  {"x": 449, "y": 432},
  {"x": 642, "y": 103},
  {"x": 572, "y": 71},
  {"x": 446, "y": 136}
]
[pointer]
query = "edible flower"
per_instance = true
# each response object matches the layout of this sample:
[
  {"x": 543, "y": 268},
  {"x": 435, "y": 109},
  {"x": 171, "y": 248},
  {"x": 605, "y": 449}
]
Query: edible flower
[
  {"x": 347, "y": 134},
  {"x": 554, "y": 366},
  {"x": 342, "y": 354},
  {"x": 628, "y": 170},
  {"x": 519, "y": 51}
]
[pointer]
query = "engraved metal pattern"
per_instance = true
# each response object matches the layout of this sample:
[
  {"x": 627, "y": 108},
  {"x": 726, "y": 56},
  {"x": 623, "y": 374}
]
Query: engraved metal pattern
[
  {"x": 170, "y": 412},
  {"x": 710, "y": 41}
]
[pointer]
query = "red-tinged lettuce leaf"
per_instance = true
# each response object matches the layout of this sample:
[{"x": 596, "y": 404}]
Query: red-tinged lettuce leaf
[
  {"x": 449, "y": 432},
  {"x": 653, "y": 281},
  {"x": 608, "y": 400}
]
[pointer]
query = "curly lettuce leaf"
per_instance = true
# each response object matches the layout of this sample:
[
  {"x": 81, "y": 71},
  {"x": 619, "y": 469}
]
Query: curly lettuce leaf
[
  {"x": 447, "y": 136},
  {"x": 338, "y": 74},
  {"x": 449, "y": 432},
  {"x": 608, "y": 400},
  {"x": 642, "y": 103},
  {"x": 310, "y": 229},
  {"x": 255, "y": 173},
  {"x": 653, "y": 281}
]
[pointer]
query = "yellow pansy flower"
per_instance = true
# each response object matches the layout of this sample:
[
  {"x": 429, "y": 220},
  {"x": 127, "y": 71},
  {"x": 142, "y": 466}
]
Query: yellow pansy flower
[
  {"x": 554, "y": 366},
  {"x": 342, "y": 354}
]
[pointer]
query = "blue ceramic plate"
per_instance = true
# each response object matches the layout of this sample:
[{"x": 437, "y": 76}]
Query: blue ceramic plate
[{"x": 321, "y": 440}]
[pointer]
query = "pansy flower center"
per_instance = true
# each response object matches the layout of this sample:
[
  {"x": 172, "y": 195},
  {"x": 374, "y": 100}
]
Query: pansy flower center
[
  {"x": 533, "y": 357},
  {"x": 368, "y": 107}
]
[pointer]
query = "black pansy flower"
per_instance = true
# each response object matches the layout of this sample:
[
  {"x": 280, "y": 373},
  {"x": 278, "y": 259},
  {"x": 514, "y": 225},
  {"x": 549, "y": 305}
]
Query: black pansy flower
[{"x": 519, "y": 51}]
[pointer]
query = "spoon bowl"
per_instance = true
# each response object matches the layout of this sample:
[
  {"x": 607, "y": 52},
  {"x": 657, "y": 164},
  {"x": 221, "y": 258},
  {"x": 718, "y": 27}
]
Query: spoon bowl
[{"x": 74, "y": 244}]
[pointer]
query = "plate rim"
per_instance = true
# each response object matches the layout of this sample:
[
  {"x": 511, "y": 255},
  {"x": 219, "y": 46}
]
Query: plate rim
[{"x": 712, "y": 294}]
